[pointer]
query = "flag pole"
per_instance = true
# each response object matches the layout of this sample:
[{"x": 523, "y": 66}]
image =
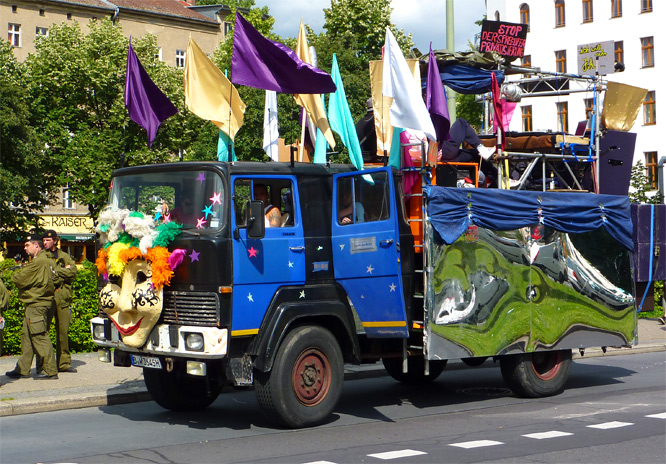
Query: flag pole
[
  {"x": 300, "y": 149},
  {"x": 230, "y": 156}
]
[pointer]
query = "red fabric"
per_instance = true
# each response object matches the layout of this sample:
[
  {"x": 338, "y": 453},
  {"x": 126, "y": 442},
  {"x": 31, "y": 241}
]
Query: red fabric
[
  {"x": 497, "y": 105},
  {"x": 410, "y": 178}
]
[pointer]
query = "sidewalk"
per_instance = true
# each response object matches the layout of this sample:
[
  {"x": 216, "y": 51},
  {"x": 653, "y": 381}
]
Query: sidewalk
[{"x": 99, "y": 384}]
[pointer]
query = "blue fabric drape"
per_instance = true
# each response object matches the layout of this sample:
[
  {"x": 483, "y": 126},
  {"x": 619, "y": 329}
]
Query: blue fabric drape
[
  {"x": 469, "y": 80},
  {"x": 452, "y": 210}
]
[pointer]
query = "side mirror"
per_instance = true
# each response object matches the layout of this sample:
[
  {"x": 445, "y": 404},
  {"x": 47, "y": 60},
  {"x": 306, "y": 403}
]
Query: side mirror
[{"x": 256, "y": 226}]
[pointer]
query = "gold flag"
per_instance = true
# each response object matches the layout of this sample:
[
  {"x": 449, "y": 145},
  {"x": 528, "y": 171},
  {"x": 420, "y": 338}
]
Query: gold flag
[
  {"x": 382, "y": 104},
  {"x": 209, "y": 94},
  {"x": 312, "y": 103}
]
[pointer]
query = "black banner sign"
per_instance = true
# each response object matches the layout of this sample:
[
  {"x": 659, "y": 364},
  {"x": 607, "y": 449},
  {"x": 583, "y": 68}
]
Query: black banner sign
[{"x": 507, "y": 39}]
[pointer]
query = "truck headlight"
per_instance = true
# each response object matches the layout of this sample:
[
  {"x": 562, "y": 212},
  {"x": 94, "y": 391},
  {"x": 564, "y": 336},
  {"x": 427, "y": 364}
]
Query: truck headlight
[
  {"x": 196, "y": 368},
  {"x": 194, "y": 341},
  {"x": 98, "y": 332}
]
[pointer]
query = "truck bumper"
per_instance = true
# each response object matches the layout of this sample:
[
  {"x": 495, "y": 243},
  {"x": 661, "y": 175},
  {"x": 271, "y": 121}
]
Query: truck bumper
[{"x": 172, "y": 340}]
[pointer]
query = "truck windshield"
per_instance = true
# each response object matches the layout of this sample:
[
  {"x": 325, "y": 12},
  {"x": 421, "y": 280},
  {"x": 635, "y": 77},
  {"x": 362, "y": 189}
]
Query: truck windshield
[{"x": 194, "y": 199}]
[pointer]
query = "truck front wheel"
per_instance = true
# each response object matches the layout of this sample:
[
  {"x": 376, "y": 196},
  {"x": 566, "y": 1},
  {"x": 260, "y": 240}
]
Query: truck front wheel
[
  {"x": 538, "y": 374},
  {"x": 180, "y": 392},
  {"x": 305, "y": 382}
]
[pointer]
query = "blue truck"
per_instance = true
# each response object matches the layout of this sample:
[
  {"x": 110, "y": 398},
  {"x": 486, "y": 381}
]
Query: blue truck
[{"x": 201, "y": 291}]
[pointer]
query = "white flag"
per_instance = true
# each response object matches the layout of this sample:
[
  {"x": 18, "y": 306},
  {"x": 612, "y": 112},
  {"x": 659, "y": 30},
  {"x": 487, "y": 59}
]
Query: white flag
[
  {"x": 408, "y": 110},
  {"x": 271, "y": 125}
]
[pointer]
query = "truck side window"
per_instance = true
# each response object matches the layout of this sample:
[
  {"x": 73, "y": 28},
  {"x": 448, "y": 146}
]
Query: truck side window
[
  {"x": 279, "y": 194},
  {"x": 287, "y": 206},
  {"x": 242, "y": 189},
  {"x": 363, "y": 198}
]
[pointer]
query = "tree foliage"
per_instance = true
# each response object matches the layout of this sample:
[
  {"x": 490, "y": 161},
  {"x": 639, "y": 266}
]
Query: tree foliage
[
  {"x": 26, "y": 174},
  {"x": 641, "y": 187},
  {"x": 63, "y": 120},
  {"x": 84, "y": 307},
  {"x": 361, "y": 25}
]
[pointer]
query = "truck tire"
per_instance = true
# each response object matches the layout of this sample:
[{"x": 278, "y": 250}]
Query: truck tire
[
  {"x": 180, "y": 392},
  {"x": 305, "y": 382},
  {"x": 538, "y": 374},
  {"x": 415, "y": 369}
]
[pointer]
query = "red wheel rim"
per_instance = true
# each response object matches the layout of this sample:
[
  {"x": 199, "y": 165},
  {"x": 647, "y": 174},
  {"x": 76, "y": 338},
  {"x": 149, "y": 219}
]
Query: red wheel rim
[
  {"x": 546, "y": 364},
  {"x": 311, "y": 377}
]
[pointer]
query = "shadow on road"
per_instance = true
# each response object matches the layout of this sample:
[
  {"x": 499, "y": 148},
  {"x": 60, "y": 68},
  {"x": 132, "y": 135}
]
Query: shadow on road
[{"x": 374, "y": 397}]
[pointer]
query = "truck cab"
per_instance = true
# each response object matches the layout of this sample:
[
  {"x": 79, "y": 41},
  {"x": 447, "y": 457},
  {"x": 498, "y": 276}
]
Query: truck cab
[{"x": 342, "y": 245}]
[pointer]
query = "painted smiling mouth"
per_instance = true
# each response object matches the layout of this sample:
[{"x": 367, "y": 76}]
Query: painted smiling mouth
[{"x": 129, "y": 330}]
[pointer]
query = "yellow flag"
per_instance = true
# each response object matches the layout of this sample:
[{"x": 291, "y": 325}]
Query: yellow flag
[
  {"x": 312, "y": 102},
  {"x": 209, "y": 94}
]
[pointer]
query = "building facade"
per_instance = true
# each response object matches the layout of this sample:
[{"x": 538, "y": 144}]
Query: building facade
[
  {"x": 171, "y": 21},
  {"x": 558, "y": 27}
]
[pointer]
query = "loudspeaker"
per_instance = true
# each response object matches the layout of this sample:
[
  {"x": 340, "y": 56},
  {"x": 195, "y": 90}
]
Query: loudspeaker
[
  {"x": 616, "y": 155},
  {"x": 446, "y": 175}
]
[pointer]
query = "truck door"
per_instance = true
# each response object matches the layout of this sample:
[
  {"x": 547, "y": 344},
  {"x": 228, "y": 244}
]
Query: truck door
[
  {"x": 263, "y": 265},
  {"x": 366, "y": 249}
]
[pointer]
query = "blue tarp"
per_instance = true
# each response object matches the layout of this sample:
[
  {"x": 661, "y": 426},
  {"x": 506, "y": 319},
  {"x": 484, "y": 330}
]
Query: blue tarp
[
  {"x": 452, "y": 210},
  {"x": 468, "y": 80}
]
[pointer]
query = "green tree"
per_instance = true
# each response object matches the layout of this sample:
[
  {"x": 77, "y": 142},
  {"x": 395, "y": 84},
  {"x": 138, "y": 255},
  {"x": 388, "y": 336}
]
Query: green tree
[
  {"x": 361, "y": 24},
  {"x": 641, "y": 186},
  {"x": 26, "y": 174},
  {"x": 76, "y": 83},
  {"x": 468, "y": 108}
]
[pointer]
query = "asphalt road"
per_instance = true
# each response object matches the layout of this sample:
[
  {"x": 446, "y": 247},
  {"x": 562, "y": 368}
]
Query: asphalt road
[{"x": 613, "y": 411}]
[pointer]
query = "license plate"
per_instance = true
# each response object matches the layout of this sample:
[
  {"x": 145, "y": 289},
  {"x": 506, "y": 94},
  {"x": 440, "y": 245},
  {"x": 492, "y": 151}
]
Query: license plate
[{"x": 145, "y": 361}]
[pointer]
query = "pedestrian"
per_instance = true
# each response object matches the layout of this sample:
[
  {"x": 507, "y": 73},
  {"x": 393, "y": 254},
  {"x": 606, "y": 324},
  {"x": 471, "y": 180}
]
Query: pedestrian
[
  {"x": 4, "y": 301},
  {"x": 64, "y": 269},
  {"x": 36, "y": 291}
]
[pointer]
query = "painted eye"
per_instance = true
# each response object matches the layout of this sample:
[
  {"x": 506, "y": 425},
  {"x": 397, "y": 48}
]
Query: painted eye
[{"x": 141, "y": 277}]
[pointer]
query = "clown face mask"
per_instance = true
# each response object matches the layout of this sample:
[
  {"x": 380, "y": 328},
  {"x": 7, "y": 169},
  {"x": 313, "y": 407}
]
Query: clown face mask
[{"x": 135, "y": 306}]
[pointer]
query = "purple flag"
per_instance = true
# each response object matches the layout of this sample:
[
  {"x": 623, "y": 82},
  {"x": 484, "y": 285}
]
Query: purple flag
[
  {"x": 264, "y": 64},
  {"x": 436, "y": 100},
  {"x": 146, "y": 103}
]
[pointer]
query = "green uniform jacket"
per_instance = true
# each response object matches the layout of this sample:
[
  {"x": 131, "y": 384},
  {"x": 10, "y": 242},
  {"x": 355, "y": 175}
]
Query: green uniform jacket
[
  {"x": 35, "y": 282},
  {"x": 63, "y": 277},
  {"x": 4, "y": 296}
]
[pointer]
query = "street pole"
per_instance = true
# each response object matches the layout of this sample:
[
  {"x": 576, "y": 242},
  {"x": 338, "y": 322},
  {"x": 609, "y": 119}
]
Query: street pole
[{"x": 451, "y": 47}]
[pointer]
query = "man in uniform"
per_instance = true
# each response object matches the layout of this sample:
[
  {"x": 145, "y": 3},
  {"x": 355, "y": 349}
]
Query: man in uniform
[
  {"x": 64, "y": 269},
  {"x": 35, "y": 284},
  {"x": 4, "y": 301}
]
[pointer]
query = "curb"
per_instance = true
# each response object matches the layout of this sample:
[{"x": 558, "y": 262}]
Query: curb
[{"x": 135, "y": 391}]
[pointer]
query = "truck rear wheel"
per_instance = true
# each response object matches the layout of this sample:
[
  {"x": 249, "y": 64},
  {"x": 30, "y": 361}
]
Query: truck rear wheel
[
  {"x": 533, "y": 375},
  {"x": 178, "y": 391},
  {"x": 415, "y": 369},
  {"x": 305, "y": 382}
]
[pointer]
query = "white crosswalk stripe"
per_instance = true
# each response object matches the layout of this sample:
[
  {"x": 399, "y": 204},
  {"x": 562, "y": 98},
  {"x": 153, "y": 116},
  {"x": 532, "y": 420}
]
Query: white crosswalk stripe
[
  {"x": 483, "y": 443},
  {"x": 397, "y": 454},
  {"x": 610, "y": 425},
  {"x": 550, "y": 434},
  {"x": 476, "y": 444}
]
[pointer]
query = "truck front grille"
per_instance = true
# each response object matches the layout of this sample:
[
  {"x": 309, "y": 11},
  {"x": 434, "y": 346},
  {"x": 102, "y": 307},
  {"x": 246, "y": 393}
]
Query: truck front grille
[{"x": 191, "y": 308}]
